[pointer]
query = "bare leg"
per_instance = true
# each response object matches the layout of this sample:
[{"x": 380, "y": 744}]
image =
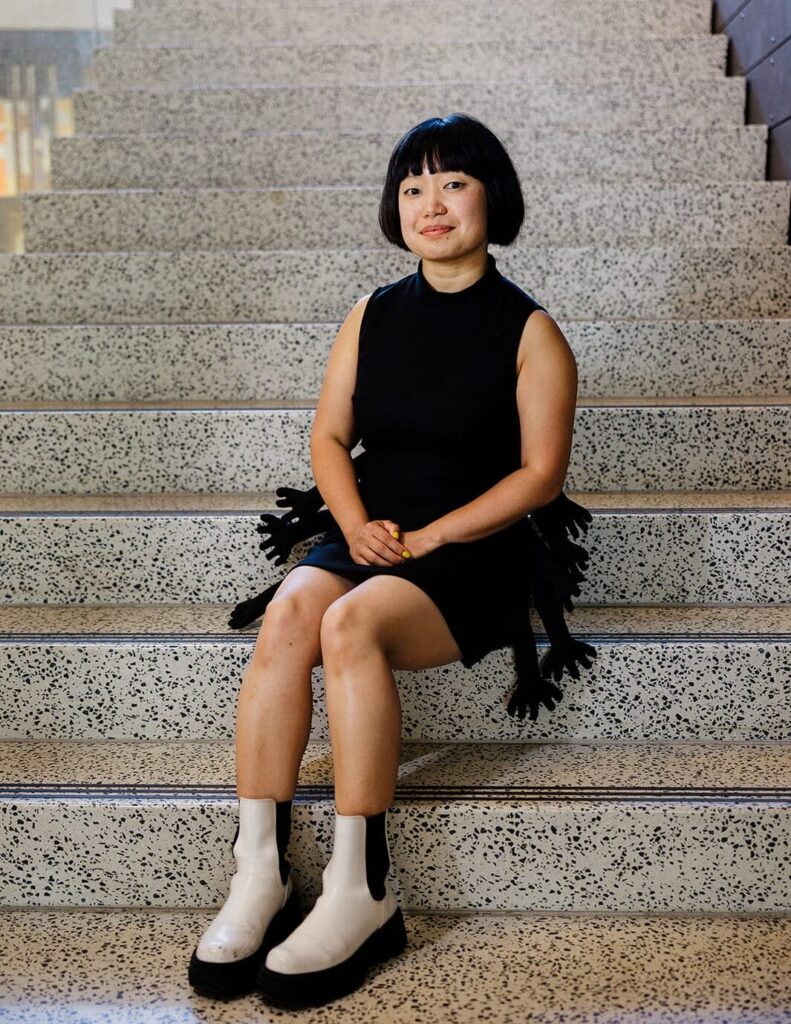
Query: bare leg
[
  {"x": 275, "y": 704},
  {"x": 386, "y": 622}
]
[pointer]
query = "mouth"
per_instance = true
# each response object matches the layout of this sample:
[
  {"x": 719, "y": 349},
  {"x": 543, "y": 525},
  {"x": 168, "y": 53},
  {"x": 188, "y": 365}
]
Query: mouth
[{"x": 438, "y": 230}]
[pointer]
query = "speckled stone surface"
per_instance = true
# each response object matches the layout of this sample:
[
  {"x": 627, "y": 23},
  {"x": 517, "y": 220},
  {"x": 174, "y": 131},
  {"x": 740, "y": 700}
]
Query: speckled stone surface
[
  {"x": 703, "y": 102},
  {"x": 632, "y": 502},
  {"x": 504, "y": 60},
  {"x": 621, "y": 827},
  {"x": 173, "y": 672},
  {"x": 256, "y": 362},
  {"x": 117, "y": 782},
  {"x": 548, "y": 771},
  {"x": 339, "y": 22},
  {"x": 616, "y": 444},
  {"x": 456, "y": 969},
  {"x": 666, "y": 155},
  {"x": 736, "y": 213},
  {"x": 681, "y": 557},
  {"x": 659, "y": 282}
]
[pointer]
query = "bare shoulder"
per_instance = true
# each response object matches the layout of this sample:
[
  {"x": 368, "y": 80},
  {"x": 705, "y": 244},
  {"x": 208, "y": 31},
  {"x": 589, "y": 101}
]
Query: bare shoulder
[
  {"x": 344, "y": 348},
  {"x": 541, "y": 336},
  {"x": 350, "y": 328},
  {"x": 334, "y": 417}
]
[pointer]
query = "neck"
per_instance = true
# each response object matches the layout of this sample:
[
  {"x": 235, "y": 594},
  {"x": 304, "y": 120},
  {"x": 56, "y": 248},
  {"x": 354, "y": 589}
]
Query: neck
[{"x": 455, "y": 275}]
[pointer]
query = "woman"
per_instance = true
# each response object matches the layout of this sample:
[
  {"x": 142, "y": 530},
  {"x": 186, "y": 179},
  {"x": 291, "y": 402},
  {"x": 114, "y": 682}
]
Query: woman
[{"x": 462, "y": 389}]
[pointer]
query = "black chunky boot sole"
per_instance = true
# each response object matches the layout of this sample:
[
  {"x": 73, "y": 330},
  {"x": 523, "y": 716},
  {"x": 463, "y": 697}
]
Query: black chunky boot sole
[
  {"x": 238, "y": 977},
  {"x": 312, "y": 988}
]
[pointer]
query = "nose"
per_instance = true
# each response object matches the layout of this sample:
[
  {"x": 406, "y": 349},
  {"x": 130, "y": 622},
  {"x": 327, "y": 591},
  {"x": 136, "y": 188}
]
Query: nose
[{"x": 433, "y": 204}]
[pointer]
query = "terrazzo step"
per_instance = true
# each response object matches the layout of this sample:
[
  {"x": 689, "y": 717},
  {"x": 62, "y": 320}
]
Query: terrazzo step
[
  {"x": 579, "y": 19},
  {"x": 188, "y": 7},
  {"x": 154, "y": 672},
  {"x": 242, "y": 286},
  {"x": 706, "y": 547},
  {"x": 457, "y": 967},
  {"x": 634, "y": 443},
  {"x": 635, "y": 60},
  {"x": 626, "y": 827},
  {"x": 232, "y": 159},
  {"x": 618, "y": 214},
  {"x": 145, "y": 362},
  {"x": 698, "y": 102}
]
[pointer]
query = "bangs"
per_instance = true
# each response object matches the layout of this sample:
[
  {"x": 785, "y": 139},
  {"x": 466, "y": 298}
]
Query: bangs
[{"x": 445, "y": 147}]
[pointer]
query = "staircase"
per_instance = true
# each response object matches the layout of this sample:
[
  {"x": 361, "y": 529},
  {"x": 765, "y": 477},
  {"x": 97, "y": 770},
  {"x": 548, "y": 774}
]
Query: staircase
[{"x": 164, "y": 338}]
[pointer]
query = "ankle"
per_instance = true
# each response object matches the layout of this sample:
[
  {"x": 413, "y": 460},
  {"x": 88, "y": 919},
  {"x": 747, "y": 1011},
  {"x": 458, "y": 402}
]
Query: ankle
[{"x": 254, "y": 834}]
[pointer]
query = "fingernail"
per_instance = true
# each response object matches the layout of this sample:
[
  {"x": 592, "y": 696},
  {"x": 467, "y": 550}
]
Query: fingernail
[
  {"x": 395, "y": 534},
  {"x": 405, "y": 553}
]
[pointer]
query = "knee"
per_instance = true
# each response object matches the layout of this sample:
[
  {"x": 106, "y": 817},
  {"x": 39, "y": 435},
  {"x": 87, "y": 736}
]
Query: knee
[
  {"x": 345, "y": 628},
  {"x": 288, "y": 622}
]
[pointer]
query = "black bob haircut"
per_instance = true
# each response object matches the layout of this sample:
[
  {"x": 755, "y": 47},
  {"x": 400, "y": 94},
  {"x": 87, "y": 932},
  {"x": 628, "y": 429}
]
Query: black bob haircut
[{"x": 458, "y": 142}]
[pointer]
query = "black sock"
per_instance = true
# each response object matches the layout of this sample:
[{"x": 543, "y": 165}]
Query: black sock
[
  {"x": 283, "y": 829},
  {"x": 377, "y": 861}
]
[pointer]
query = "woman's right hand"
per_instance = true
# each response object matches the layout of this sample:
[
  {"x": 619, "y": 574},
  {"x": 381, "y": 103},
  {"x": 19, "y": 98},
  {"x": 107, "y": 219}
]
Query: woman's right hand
[{"x": 373, "y": 543}]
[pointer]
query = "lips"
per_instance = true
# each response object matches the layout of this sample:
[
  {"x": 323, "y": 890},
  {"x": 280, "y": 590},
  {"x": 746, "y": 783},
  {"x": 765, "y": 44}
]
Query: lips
[{"x": 438, "y": 230}]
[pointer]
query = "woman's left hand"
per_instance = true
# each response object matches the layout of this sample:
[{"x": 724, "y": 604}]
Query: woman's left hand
[{"x": 417, "y": 542}]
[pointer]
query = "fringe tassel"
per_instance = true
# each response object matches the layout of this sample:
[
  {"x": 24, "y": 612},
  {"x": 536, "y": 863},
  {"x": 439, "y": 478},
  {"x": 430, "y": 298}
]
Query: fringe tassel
[
  {"x": 305, "y": 518},
  {"x": 556, "y": 568},
  {"x": 555, "y": 572}
]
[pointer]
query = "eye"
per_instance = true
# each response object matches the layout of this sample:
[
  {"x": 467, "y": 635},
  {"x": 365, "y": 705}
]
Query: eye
[{"x": 454, "y": 182}]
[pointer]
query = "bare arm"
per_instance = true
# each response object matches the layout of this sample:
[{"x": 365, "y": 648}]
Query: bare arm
[
  {"x": 546, "y": 396},
  {"x": 332, "y": 437}
]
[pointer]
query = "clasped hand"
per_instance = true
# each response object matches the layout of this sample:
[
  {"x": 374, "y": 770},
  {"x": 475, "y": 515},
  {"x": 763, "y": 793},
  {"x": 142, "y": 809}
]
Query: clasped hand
[{"x": 381, "y": 542}]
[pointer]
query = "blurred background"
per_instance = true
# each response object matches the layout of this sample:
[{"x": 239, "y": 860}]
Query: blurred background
[{"x": 46, "y": 51}]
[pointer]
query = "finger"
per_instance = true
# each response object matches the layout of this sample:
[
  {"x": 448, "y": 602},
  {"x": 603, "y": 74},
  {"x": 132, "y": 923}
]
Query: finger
[
  {"x": 388, "y": 554},
  {"x": 393, "y": 545}
]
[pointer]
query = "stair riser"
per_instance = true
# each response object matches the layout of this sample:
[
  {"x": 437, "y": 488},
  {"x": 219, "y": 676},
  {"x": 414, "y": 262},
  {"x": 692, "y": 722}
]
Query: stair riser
[
  {"x": 670, "y": 155},
  {"x": 625, "y": 60},
  {"x": 674, "y": 856},
  {"x": 358, "y": 21},
  {"x": 327, "y": 109},
  {"x": 282, "y": 361},
  {"x": 690, "y": 558},
  {"x": 593, "y": 8},
  {"x": 138, "y": 690},
  {"x": 216, "y": 450},
  {"x": 248, "y": 287},
  {"x": 616, "y": 215}
]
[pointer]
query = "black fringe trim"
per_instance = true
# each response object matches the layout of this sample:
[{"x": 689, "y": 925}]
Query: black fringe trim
[{"x": 556, "y": 569}]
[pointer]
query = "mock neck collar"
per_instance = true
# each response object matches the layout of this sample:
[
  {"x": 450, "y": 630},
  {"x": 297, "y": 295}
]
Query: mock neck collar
[{"x": 472, "y": 291}]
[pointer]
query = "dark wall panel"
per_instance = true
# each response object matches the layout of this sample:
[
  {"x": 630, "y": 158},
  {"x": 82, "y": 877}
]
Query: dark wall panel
[{"x": 759, "y": 33}]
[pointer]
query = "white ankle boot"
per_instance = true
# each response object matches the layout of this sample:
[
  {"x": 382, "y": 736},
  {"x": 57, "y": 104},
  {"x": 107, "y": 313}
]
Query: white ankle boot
[
  {"x": 347, "y": 930},
  {"x": 259, "y": 912}
]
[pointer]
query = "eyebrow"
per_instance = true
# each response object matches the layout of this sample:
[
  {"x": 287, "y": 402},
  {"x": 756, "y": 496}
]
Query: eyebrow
[{"x": 410, "y": 177}]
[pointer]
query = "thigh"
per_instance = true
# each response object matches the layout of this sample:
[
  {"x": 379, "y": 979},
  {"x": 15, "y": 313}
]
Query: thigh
[
  {"x": 401, "y": 617},
  {"x": 304, "y": 595}
]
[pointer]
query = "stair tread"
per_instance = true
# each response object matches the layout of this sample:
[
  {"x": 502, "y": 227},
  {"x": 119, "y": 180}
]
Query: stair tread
[
  {"x": 480, "y": 771},
  {"x": 243, "y": 502},
  {"x": 457, "y": 967},
  {"x": 159, "y": 621}
]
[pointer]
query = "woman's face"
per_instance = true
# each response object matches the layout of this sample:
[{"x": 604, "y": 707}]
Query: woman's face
[{"x": 452, "y": 199}]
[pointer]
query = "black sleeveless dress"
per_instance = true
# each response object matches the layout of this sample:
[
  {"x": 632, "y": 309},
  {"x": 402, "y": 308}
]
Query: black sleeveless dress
[{"x": 435, "y": 411}]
